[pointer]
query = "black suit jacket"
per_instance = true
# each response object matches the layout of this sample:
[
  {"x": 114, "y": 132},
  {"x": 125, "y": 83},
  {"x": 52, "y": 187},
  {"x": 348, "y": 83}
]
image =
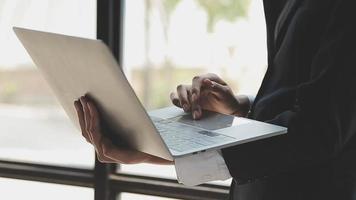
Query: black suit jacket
[{"x": 309, "y": 87}]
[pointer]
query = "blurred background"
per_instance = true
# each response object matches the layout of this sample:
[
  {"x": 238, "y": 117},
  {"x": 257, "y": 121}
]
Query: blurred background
[{"x": 165, "y": 43}]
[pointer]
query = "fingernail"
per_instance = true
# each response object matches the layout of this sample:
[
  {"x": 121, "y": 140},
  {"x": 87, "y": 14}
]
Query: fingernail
[
  {"x": 195, "y": 114},
  {"x": 208, "y": 81},
  {"x": 194, "y": 96}
]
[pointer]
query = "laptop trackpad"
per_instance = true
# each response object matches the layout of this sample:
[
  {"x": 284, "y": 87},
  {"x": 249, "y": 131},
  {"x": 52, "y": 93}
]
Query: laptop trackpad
[{"x": 211, "y": 120}]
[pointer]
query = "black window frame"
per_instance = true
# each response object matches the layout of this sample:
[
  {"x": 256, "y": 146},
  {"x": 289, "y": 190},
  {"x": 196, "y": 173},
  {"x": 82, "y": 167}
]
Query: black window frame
[{"x": 104, "y": 179}]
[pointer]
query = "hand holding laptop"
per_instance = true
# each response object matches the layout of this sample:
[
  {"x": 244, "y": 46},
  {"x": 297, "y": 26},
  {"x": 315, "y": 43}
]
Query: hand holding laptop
[{"x": 107, "y": 152}]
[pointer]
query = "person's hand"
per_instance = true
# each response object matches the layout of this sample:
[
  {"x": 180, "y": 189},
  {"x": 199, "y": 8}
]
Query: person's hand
[
  {"x": 106, "y": 151},
  {"x": 209, "y": 92}
]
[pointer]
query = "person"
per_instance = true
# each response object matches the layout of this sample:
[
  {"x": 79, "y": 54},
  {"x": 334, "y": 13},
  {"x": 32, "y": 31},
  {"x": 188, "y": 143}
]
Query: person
[{"x": 309, "y": 87}]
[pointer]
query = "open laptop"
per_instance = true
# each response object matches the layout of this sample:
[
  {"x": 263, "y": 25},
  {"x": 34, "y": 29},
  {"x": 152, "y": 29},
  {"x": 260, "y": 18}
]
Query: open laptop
[{"x": 76, "y": 66}]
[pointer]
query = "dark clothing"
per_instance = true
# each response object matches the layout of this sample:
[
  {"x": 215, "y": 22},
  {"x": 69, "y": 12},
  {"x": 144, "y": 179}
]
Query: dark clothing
[{"x": 309, "y": 87}]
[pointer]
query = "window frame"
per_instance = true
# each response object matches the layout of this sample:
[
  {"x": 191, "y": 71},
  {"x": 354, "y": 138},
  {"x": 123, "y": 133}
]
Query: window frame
[
  {"x": 117, "y": 182},
  {"x": 104, "y": 179}
]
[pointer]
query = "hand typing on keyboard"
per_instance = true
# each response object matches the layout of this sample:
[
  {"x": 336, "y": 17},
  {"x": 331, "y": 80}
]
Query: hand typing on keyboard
[{"x": 209, "y": 92}]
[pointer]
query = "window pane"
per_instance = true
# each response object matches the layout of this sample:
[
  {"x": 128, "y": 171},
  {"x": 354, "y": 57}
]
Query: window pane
[
  {"x": 22, "y": 190},
  {"x": 33, "y": 127},
  {"x": 168, "y": 42},
  {"x": 130, "y": 196}
]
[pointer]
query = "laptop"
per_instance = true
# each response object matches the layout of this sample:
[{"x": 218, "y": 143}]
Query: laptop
[{"x": 75, "y": 66}]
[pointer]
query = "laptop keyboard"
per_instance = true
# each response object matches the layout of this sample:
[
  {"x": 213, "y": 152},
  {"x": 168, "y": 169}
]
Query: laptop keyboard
[{"x": 181, "y": 137}]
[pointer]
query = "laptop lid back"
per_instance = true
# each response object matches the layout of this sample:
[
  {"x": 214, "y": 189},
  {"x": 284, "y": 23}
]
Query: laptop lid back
[{"x": 75, "y": 66}]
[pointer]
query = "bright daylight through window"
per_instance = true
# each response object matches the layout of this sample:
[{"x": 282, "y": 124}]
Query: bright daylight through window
[
  {"x": 167, "y": 42},
  {"x": 33, "y": 127}
]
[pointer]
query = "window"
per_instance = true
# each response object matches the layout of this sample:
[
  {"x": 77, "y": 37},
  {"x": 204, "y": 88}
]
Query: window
[
  {"x": 34, "y": 127},
  {"x": 41, "y": 191},
  {"x": 168, "y": 41}
]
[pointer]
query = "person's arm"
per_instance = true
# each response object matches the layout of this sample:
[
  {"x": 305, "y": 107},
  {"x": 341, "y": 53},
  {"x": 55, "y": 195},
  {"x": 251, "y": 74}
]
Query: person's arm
[{"x": 322, "y": 123}]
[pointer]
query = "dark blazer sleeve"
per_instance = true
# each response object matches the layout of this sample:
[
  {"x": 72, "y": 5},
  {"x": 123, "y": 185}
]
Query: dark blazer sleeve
[{"x": 322, "y": 124}]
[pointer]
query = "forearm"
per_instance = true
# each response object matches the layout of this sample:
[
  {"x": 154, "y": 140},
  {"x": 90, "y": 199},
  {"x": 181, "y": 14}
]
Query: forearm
[{"x": 314, "y": 133}]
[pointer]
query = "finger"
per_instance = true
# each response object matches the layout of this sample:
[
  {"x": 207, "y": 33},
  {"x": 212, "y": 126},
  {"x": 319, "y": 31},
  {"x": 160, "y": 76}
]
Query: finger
[
  {"x": 101, "y": 144},
  {"x": 216, "y": 87},
  {"x": 94, "y": 131},
  {"x": 190, "y": 97},
  {"x": 175, "y": 99},
  {"x": 197, "y": 86},
  {"x": 195, "y": 91},
  {"x": 80, "y": 113},
  {"x": 120, "y": 155},
  {"x": 83, "y": 101},
  {"x": 201, "y": 79},
  {"x": 104, "y": 159},
  {"x": 112, "y": 152},
  {"x": 182, "y": 91},
  {"x": 93, "y": 126},
  {"x": 206, "y": 96},
  {"x": 98, "y": 138},
  {"x": 94, "y": 117},
  {"x": 215, "y": 78}
]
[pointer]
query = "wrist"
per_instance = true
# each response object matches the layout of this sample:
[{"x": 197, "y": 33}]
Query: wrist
[{"x": 243, "y": 106}]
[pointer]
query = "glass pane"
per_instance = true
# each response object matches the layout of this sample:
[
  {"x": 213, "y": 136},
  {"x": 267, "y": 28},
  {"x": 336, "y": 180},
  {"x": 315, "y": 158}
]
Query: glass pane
[
  {"x": 168, "y": 42},
  {"x": 9, "y": 189},
  {"x": 33, "y": 127},
  {"x": 130, "y": 196}
]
